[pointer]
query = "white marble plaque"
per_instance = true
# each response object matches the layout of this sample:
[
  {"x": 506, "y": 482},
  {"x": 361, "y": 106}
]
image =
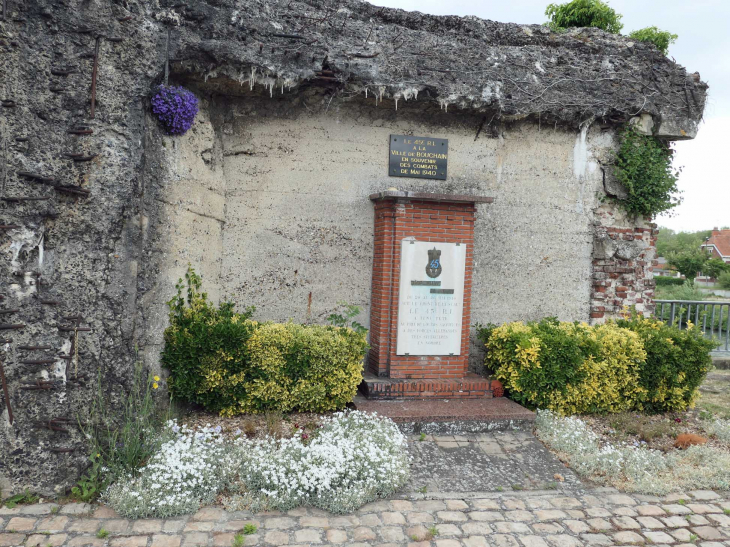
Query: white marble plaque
[{"x": 431, "y": 298}]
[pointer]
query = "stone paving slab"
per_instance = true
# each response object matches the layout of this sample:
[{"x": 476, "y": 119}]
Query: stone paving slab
[
  {"x": 561, "y": 518},
  {"x": 484, "y": 462}
]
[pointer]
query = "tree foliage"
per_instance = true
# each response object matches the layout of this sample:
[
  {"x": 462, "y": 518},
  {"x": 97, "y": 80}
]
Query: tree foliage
[
  {"x": 714, "y": 267},
  {"x": 584, "y": 13},
  {"x": 668, "y": 241},
  {"x": 644, "y": 166},
  {"x": 660, "y": 38},
  {"x": 688, "y": 263}
]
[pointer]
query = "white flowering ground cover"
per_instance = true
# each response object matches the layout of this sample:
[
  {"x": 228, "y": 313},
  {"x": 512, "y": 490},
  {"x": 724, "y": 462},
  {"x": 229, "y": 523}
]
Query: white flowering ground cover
[
  {"x": 353, "y": 458},
  {"x": 635, "y": 468}
]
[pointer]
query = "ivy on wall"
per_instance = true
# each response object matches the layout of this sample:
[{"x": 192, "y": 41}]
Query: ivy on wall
[{"x": 643, "y": 165}]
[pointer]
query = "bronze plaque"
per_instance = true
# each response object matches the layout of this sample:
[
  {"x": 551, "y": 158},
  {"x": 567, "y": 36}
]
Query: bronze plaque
[{"x": 418, "y": 157}]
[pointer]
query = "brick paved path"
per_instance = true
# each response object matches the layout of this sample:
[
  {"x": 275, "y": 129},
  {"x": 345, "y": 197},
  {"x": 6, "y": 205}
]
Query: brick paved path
[{"x": 594, "y": 517}]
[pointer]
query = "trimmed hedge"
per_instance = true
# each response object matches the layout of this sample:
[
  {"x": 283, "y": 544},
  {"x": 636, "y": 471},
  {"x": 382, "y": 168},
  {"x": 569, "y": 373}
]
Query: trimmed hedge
[
  {"x": 572, "y": 368},
  {"x": 668, "y": 281},
  {"x": 229, "y": 364}
]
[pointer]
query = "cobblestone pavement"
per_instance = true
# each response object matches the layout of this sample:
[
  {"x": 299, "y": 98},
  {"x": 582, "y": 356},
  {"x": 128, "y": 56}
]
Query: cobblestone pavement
[
  {"x": 484, "y": 462},
  {"x": 559, "y": 518}
]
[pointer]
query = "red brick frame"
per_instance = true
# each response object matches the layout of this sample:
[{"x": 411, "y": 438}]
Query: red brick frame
[{"x": 427, "y": 217}]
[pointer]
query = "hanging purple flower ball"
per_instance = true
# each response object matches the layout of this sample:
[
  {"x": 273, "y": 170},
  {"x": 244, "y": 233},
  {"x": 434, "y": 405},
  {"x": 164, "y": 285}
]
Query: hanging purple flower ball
[{"x": 175, "y": 107}]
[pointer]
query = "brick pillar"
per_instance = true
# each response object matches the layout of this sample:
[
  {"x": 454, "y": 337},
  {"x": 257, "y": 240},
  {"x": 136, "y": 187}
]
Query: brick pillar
[
  {"x": 623, "y": 264},
  {"x": 425, "y": 217}
]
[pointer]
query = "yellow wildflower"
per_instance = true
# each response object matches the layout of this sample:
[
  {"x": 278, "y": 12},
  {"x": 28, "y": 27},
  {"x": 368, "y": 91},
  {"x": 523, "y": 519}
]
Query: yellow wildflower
[
  {"x": 157, "y": 378},
  {"x": 155, "y": 385}
]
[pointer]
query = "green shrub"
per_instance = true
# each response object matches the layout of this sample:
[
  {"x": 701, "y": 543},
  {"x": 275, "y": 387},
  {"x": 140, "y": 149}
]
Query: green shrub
[
  {"x": 634, "y": 363},
  {"x": 584, "y": 13},
  {"x": 677, "y": 362},
  {"x": 230, "y": 364},
  {"x": 724, "y": 281},
  {"x": 686, "y": 291},
  {"x": 668, "y": 281},
  {"x": 200, "y": 338},
  {"x": 660, "y": 38},
  {"x": 567, "y": 367},
  {"x": 643, "y": 166}
]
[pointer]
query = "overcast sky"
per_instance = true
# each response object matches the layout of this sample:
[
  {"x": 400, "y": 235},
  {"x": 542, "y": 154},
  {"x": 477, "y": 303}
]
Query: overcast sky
[{"x": 703, "y": 27}]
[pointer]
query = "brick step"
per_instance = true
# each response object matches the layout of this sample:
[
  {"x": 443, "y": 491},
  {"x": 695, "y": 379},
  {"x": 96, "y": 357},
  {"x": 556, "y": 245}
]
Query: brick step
[
  {"x": 471, "y": 386},
  {"x": 450, "y": 416}
]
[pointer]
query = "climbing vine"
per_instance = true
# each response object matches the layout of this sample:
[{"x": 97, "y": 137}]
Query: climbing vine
[{"x": 643, "y": 165}]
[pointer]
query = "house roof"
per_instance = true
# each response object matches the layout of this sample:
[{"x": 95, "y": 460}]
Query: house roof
[
  {"x": 508, "y": 71},
  {"x": 721, "y": 240}
]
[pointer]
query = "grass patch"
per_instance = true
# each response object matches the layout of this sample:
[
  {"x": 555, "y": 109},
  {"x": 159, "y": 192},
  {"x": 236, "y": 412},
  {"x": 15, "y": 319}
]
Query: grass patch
[{"x": 644, "y": 427}]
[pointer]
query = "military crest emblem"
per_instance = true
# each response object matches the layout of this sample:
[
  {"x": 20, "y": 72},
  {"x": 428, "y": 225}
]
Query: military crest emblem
[{"x": 433, "y": 268}]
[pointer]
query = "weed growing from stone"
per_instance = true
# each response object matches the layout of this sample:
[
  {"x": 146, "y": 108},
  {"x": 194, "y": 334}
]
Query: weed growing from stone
[
  {"x": 249, "y": 529},
  {"x": 21, "y": 499},
  {"x": 238, "y": 540},
  {"x": 422, "y": 437},
  {"x": 101, "y": 534}
]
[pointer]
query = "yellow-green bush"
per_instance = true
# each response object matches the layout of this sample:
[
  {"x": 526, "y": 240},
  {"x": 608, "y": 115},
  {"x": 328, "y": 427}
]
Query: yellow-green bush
[
  {"x": 567, "y": 367},
  {"x": 635, "y": 363},
  {"x": 676, "y": 364},
  {"x": 305, "y": 367},
  {"x": 230, "y": 364}
]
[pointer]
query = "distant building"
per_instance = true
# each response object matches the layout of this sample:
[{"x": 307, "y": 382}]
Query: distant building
[
  {"x": 663, "y": 269},
  {"x": 718, "y": 244}
]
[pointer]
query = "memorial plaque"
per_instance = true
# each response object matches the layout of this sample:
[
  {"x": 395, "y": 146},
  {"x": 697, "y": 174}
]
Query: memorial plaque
[
  {"x": 418, "y": 157},
  {"x": 431, "y": 298}
]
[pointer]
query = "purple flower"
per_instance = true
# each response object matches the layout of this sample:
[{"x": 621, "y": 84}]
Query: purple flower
[{"x": 175, "y": 107}]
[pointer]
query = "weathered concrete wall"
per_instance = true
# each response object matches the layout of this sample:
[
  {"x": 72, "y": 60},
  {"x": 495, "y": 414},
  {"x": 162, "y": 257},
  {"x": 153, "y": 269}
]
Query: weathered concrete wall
[
  {"x": 297, "y": 172},
  {"x": 184, "y": 195}
]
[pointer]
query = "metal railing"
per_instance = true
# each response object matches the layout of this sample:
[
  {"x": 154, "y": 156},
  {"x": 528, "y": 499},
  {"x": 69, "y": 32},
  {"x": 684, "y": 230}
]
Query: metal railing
[{"x": 712, "y": 317}]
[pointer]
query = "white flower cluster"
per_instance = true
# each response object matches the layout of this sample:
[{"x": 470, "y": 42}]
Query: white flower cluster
[
  {"x": 605, "y": 463},
  {"x": 633, "y": 468},
  {"x": 353, "y": 458},
  {"x": 189, "y": 470}
]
